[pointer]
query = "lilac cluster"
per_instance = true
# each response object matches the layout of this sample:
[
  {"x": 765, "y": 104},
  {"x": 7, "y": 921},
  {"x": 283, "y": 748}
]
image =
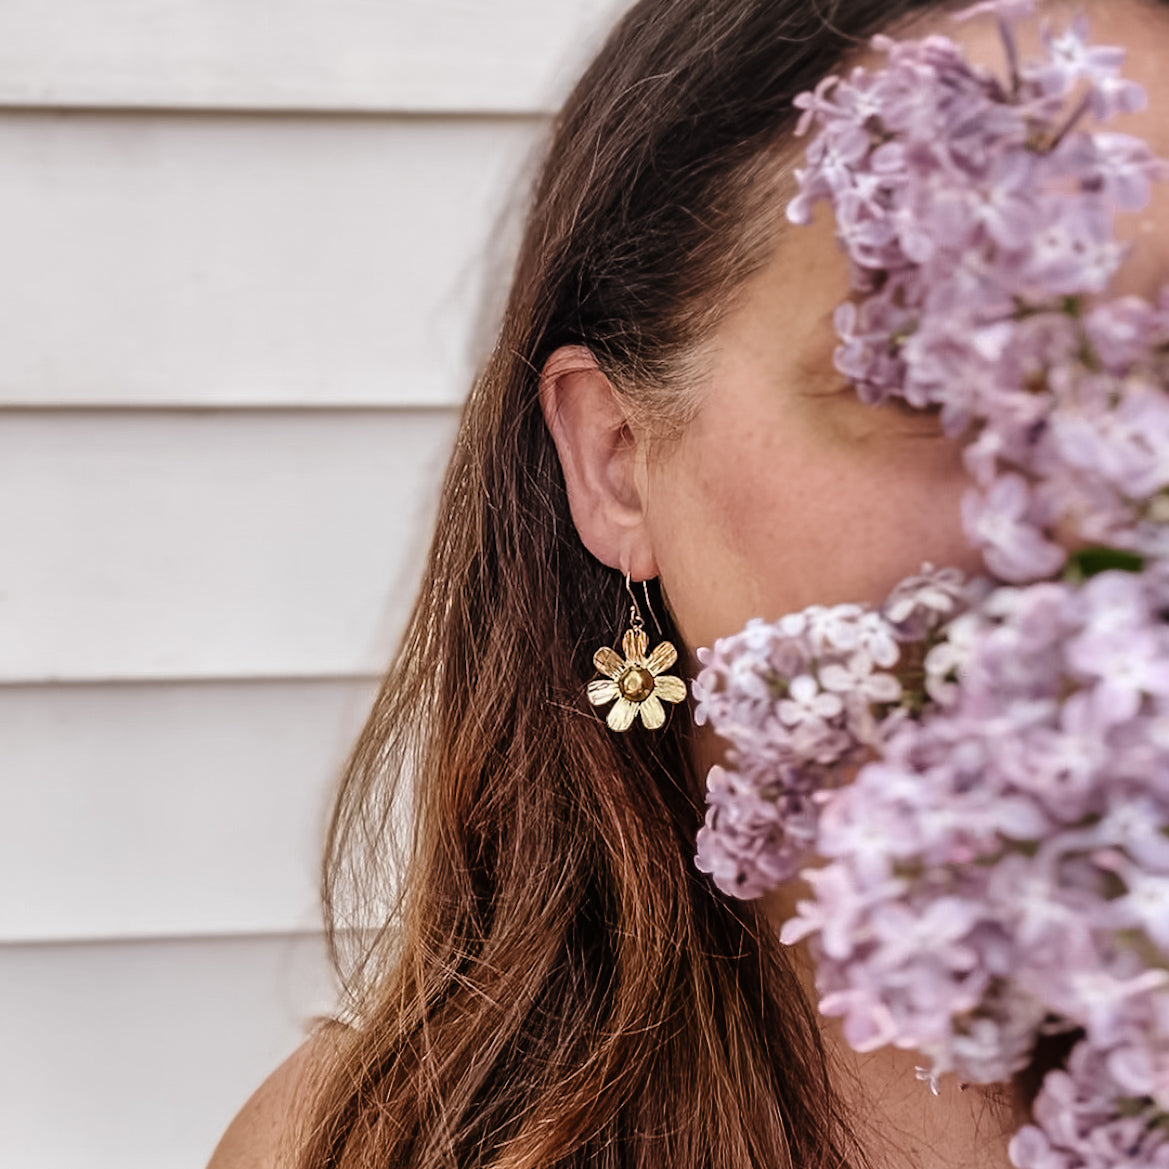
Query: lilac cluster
[
  {"x": 1078, "y": 1121},
  {"x": 977, "y": 214},
  {"x": 799, "y": 701},
  {"x": 997, "y": 868},
  {"x": 1002, "y": 867}
]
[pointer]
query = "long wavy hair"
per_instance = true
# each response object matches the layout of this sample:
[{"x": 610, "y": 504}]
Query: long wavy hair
[{"x": 538, "y": 976}]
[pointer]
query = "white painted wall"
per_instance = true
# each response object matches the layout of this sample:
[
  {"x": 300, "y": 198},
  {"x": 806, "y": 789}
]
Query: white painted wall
[
  {"x": 494, "y": 56},
  {"x": 235, "y": 261},
  {"x": 245, "y": 251}
]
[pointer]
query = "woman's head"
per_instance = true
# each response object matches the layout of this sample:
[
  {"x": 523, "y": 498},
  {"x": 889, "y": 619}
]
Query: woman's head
[
  {"x": 703, "y": 433},
  {"x": 558, "y": 984},
  {"x": 782, "y": 489}
]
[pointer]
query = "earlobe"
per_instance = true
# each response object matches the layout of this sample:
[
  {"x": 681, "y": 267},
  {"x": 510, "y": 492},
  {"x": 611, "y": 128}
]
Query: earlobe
[{"x": 602, "y": 455}]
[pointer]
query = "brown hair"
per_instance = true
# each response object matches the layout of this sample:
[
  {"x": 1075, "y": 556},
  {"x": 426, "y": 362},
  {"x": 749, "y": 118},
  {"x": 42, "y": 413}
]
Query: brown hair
[{"x": 555, "y": 983}]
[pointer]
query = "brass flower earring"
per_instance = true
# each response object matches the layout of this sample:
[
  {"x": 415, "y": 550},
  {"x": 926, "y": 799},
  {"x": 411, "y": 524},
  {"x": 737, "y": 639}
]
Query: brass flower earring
[{"x": 636, "y": 685}]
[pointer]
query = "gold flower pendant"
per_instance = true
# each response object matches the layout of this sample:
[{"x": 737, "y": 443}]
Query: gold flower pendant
[{"x": 636, "y": 685}]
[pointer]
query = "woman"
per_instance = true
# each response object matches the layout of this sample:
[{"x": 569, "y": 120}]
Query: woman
[{"x": 557, "y": 984}]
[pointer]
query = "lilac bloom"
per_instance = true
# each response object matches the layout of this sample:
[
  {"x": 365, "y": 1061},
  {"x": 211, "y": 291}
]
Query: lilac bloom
[
  {"x": 868, "y": 1023},
  {"x": 999, "y": 521},
  {"x": 1000, "y": 863},
  {"x": 856, "y": 680},
  {"x": 806, "y": 702},
  {"x": 904, "y": 934},
  {"x": 1144, "y": 905},
  {"x": 1135, "y": 825},
  {"x": 834, "y": 628},
  {"x": 1062, "y": 765},
  {"x": 920, "y": 604},
  {"x": 1005, "y": 206},
  {"x": 1117, "y": 165},
  {"x": 1103, "y": 999},
  {"x": 1073, "y": 252},
  {"x": 1071, "y": 58},
  {"x": 838, "y": 903},
  {"x": 817, "y": 104}
]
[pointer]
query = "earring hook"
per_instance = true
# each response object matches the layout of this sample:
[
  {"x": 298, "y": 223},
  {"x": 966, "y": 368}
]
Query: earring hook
[{"x": 635, "y": 618}]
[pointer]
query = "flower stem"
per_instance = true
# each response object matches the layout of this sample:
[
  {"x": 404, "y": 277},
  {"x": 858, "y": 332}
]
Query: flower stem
[
  {"x": 1069, "y": 125},
  {"x": 1011, "y": 48}
]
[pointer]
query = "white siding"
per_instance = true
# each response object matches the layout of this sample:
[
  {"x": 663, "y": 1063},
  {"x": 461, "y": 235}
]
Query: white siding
[
  {"x": 246, "y": 249},
  {"x": 176, "y": 261},
  {"x": 178, "y": 810},
  {"x": 385, "y": 55},
  {"x": 138, "y": 1054},
  {"x": 181, "y": 545}
]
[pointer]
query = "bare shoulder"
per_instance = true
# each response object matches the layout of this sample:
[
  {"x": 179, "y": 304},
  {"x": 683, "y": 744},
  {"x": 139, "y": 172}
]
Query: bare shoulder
[{"x": 261, "y": 1135}]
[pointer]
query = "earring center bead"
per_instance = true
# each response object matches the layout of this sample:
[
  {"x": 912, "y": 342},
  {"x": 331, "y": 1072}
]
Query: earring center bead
[{"x": 636, "y": 684}]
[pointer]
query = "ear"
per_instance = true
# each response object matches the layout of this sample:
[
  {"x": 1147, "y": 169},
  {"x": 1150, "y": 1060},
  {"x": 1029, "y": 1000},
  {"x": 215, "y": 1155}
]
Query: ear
[{"x": 603, "y": 457}]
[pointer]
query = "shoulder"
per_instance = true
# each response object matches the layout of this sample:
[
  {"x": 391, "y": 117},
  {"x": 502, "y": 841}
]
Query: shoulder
[{"x": 262, "y": 1136}]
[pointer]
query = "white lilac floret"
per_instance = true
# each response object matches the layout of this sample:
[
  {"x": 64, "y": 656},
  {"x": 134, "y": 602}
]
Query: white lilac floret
[
  {"x": 977, "y": 773},
  {"x": 798, "y": 701}
]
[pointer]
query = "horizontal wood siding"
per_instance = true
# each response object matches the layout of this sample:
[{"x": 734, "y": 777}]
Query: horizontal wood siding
[
  {"x": 181, "y": 545},
  {"x": 136, "y": 1055},
  {"x": 349, "y": 55},
  {"x": 187, "y": 261},
  {"x": 176, "y": 810}
]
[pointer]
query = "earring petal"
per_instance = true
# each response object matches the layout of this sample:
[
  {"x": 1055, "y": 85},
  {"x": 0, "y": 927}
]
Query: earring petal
[
  {"x": 662, "y": 658},
  {"x": 669, "y": 689},
  {"x": 653, "y": 714},
  {"x": 602, "y": 691},
  {"x": 634, "y": 643},
  {"x": 607, "y": 661},
  {"x": 622, "y": 714}
]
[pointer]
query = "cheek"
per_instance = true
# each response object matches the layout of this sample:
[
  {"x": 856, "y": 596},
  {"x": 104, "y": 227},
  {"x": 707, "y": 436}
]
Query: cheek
[
  {"x": 706, "y": 523},
  {"x": 758, "y": 529},
  {"x": 739, "y": 532},
  {"x": 698, "y": 527}
]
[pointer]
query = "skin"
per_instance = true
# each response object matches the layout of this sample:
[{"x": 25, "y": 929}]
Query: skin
[{"x": 786, "y": 490}]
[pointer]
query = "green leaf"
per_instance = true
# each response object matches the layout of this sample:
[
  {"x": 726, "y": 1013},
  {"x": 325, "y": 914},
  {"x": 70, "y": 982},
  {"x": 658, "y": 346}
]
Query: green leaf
[{"x": 1091, "y": 561}]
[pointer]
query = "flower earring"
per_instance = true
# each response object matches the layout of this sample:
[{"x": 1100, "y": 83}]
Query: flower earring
[{"x": 636, "y": 685}]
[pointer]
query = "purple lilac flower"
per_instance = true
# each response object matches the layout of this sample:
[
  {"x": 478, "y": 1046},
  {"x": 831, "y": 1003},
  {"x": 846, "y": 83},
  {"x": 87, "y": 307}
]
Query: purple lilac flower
[
  {"x": 796, "y": 701},
  {"x": 1078, "y": 1124},
  {"x": 977, "y": 225},
  {"x": 1045, "y": 912},
  {"x": 999, "y": 866}
]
